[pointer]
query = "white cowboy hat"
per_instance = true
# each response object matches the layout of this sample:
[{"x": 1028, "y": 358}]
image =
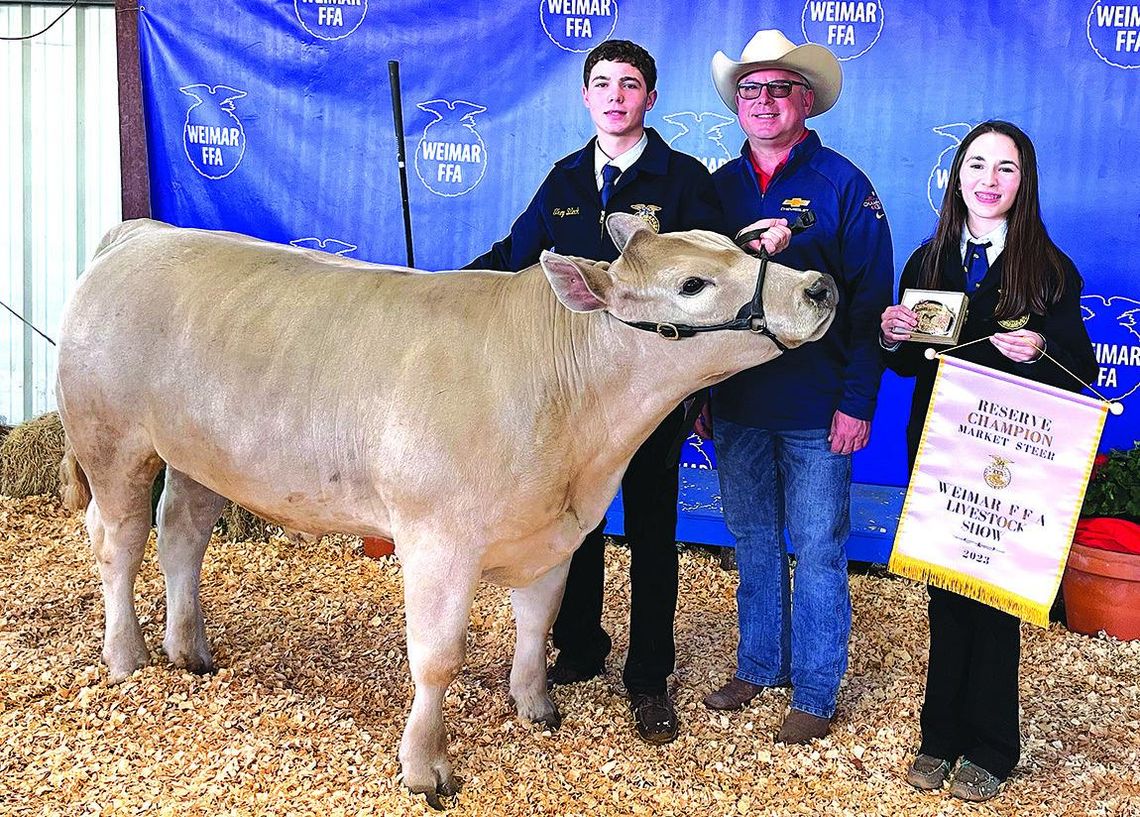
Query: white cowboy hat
[{"x": 771, "y": 49}]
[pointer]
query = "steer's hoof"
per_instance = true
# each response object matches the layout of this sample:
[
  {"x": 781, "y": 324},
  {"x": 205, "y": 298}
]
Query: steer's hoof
[
  {"x": 538, "y": 709},
  {"x": 551, "y": 720},
  {"x": 445, "y": 788},
  {"x": 199, "y": 667},
  {"x": 122, "y": 664}
]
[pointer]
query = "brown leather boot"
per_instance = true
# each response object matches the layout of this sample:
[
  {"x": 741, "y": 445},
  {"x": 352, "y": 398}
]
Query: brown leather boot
[
  {"x": 800, "y": 727},
  {"x": 733, "y": 695}
]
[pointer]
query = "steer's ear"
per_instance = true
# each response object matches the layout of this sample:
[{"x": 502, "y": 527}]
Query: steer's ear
[
  {"x": 580, "y": 285},
  {"x": 624, "y": 226}
]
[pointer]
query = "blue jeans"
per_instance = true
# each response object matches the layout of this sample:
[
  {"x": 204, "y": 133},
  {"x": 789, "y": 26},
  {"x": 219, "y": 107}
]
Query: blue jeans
[{"x": 794, "y": 633}]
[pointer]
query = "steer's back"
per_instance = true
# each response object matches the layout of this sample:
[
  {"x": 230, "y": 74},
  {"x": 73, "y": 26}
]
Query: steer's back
[{"x": 295, "y": 382}]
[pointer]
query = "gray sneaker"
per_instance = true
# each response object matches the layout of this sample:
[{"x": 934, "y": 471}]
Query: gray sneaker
[
  {"x": 927, "y": 772},
  {"x": 973, "y": 783}
]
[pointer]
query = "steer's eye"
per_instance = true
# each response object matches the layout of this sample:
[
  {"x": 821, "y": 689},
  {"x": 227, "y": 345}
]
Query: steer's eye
[{"x": 691, "y": 286}]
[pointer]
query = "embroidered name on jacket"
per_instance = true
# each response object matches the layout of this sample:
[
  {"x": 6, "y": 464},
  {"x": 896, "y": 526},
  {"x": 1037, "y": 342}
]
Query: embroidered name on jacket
[{"x": 562, "y": 212}]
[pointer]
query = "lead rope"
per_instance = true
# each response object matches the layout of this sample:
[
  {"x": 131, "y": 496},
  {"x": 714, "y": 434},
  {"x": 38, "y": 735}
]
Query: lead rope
[{"x": 1114, "y": 407}]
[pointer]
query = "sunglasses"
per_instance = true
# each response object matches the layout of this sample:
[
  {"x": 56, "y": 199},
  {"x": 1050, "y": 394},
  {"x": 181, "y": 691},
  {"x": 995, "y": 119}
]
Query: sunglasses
[{"x": 777, "y": 88}]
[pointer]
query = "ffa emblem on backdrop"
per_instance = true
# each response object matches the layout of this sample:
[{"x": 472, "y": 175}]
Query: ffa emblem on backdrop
[
  {"x": 213, "y": 136},
  {"x": 1113, "y": 324},
  {"x": 701, "y": 136},
  {"x": 847, "y": 29},
  {"x": 333, "y": 246},
  {"x": 330, "y": 19},
  {"x": 940, "y": 174},
  {"x": 451, "y": 157}
]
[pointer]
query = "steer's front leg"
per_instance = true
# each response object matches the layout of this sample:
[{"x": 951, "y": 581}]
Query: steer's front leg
[
  {"x": 437, "y": 599},
  {"x": 536, "y": 607}
]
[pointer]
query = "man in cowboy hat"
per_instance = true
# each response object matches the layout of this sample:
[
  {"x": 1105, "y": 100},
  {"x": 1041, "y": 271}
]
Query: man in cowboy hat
[
  {"x": 625, "y": 167},
  {"x": 785, "y": 432}
]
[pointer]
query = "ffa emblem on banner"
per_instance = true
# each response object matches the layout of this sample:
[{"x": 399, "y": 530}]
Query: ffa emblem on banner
[
  {"x": 645, "y": 213},
  {"x": 968, "y": 525},
  {"x": 213, "y": 137},
  {"x": 996, "y": 474}
]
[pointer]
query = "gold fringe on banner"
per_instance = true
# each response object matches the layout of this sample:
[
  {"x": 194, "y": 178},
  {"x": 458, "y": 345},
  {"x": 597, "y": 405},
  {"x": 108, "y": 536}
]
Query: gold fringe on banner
[{"x": 1004, "y": 600}]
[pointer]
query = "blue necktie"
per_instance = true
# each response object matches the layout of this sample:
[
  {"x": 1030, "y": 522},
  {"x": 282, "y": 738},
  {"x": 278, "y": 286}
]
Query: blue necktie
[
  {"x": 976, "y": 264},
  {"x": 610, "y": 174}
]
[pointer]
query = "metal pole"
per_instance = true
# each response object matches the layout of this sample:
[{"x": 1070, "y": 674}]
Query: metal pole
[{"x": 398, "y": 121}]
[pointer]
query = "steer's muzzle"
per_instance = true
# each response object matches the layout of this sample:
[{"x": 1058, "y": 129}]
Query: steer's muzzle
[{"x": 823, "y": 293}]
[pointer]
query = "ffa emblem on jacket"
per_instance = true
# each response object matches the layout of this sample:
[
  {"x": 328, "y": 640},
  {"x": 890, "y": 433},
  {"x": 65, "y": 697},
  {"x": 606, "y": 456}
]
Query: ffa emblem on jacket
[
  {"x": 996, "y": 474},
  {"x": 645, "y": 213},
  {"x": 1013, "y": 324}
]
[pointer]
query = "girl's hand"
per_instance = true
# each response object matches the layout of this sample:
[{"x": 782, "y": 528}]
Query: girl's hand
[
  {"x": 1022, "y": 346},
  {"x": 897, "y": 324}
]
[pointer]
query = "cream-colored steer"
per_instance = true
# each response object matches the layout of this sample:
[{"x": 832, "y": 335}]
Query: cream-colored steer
[{"x": 480, "y": 420}]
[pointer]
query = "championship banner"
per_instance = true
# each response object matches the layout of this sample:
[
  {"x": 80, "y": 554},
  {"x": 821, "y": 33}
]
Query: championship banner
[{"x": 997, "y": 487}]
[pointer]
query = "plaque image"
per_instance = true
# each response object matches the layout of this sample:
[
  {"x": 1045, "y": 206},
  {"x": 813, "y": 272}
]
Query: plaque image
[{"x": 940, "y": 314}]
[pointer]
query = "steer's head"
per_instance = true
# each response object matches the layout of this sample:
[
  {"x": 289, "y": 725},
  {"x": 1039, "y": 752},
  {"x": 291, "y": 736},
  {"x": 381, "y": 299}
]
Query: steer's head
[{"x": 695, "y": 278}]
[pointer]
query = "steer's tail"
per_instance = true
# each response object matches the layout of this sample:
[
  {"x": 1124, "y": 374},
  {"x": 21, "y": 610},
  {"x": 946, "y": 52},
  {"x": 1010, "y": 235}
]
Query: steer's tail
[{"x": 73, "y": 487}]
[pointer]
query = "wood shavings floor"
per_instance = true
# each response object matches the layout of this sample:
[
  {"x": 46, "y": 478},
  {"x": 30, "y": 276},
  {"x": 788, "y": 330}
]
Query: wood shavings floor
[{"x": 305, "y": 715}]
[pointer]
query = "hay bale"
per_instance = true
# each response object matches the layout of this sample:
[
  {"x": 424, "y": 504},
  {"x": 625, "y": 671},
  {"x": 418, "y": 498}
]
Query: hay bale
[
  {"x": 240, "y": 525},
  {"x": 30, "y": 455}
]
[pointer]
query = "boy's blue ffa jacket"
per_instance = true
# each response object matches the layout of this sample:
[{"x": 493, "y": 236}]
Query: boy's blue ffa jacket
[
  {"x": 850, "y": 241},
  {"x": 672, "y": 191}
]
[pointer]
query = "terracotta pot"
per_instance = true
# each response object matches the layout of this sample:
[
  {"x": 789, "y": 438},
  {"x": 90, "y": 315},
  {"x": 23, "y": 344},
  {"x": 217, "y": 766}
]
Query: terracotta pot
[
  {"x": 378, "y": 548},
  {"x": 1102, "y": 592}
]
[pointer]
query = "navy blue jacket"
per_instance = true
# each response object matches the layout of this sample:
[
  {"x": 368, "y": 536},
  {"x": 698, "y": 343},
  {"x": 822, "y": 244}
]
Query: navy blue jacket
[
  {"x": 850, "y": 241},
  {"x": 565, "y": 214}
]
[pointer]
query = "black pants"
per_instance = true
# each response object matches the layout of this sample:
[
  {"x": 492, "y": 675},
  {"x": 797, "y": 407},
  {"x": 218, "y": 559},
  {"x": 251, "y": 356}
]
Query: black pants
[
  {"x": 649, "y": 498},
  {"x": 971, "y": 684}
]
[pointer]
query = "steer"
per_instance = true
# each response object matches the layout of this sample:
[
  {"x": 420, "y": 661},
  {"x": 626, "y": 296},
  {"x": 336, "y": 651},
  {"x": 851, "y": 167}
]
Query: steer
[{"x": 480, "y": 420}]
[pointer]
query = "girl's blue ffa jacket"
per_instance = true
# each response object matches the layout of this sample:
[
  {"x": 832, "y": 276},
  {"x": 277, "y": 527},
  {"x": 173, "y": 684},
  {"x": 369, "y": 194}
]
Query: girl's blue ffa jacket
[
  {"x": 670, "y": 190},
  {"x": 850, "y": 241}
]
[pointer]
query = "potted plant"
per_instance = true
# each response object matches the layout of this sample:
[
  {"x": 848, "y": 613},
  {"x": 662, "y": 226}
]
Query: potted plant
[{"x": 1101, "y": 584}]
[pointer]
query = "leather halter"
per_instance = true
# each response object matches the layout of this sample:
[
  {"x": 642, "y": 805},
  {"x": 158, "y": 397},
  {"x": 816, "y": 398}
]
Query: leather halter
[{"x": 751, "y": 315}]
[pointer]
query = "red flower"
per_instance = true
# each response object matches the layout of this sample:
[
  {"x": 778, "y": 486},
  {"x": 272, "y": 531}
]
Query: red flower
[{"x": 1098, "y": 463}]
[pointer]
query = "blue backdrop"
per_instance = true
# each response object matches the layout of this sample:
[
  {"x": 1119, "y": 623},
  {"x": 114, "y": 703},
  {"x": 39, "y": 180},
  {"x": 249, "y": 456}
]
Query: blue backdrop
[{"x": 274, "y": 119}]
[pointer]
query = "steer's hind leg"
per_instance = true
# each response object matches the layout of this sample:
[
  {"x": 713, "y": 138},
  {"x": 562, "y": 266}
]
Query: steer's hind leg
[
  {"x": 438, "y": 591},
  {"x": 186, "y": 516},
  {"x": 536, "y": 607},
  {"x": 118, "y": 523}
]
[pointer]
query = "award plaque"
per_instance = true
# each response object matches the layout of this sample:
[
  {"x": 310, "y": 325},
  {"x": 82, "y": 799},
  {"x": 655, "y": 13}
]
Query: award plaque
[{"x": 940, "y": 314}]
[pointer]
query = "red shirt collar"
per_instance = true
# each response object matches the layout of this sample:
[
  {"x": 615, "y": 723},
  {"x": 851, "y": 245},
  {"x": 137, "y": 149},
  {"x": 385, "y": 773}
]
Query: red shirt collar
[{"x": 764, "y": 178}]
